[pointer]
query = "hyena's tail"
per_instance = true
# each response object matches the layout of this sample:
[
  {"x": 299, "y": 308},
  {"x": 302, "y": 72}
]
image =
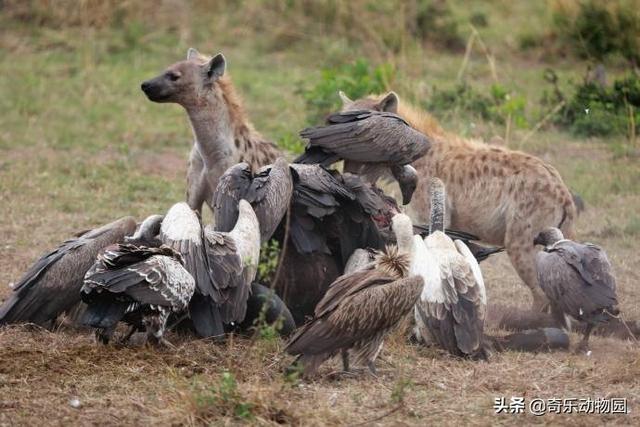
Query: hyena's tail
[{"x": 569, "y": 215}]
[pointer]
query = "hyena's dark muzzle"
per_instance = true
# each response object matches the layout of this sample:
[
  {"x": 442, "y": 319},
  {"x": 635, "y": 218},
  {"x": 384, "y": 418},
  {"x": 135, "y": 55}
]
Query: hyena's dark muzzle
[{"x": 156, "y": 89}]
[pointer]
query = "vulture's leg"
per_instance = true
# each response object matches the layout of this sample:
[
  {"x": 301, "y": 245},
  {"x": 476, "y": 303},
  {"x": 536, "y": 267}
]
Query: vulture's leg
[
  {"x": 103, "y": 335},
  {"x": 124, "y": 340},
  {"x": 345, "y": 360},
  {"x": 155, "y": 325},
  {"x": 584, "y": 344}
]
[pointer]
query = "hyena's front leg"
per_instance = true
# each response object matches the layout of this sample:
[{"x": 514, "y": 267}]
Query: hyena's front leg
[
  {"x": 197, "y": 186},
  {"x": 522, "y": 252}
]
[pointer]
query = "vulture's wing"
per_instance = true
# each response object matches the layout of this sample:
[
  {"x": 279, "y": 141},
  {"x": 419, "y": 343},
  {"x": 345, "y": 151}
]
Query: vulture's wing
[
  {"x": 181, "y": 230},
  {"x": 567, "y": 289},
  {"x": 346, "y": 285},
  {"x": 475, "y": 268},
  {"x": 52, "y": 284},
  {"x": 463, "y": 311},
  {"x": 227, "y": 275},
  {"x": 315, "y": 179},
  {"x": 270, "y": 195},
  {"x": 479, "y": 252},
  {"x": 232, "y": 186},
  {"x": 316, "y": 195},
  {"x": 365, "y": 136},
  {"x": 589, "y": 260},
  {"x": 360, "y": 314},
  {"x": 157, "y": 280},
  {"x": 371, "y": 201}
]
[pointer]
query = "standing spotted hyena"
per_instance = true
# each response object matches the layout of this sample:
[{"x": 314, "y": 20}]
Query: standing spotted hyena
[
  {"x": 504, "y": 197},
  {"x": 223, "y": 133}
]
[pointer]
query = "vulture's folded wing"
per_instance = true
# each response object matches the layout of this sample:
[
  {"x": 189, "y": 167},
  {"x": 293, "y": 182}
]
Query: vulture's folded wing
[{"x": 232, "y": 186}]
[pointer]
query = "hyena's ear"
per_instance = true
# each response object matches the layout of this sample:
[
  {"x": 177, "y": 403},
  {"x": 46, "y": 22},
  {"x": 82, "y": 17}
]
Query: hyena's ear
[
  {"x": 215, "y": 67},
  {"x": 344, "y": 98},
  {"x": 389, "y": 103},
  {"x": 192, "y": 53}
]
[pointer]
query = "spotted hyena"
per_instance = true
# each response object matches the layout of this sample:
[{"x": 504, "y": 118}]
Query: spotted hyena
[{"x": 505, "y": 197}]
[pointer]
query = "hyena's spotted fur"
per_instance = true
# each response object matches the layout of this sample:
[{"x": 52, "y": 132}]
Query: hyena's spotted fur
[
  {"x": 223, "y": 133},
  {"x": 504, "y": 197}
]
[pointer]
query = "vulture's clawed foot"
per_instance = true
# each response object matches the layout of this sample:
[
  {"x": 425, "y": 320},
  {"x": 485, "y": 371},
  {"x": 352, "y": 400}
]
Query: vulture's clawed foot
[
  {"x": 103, "y": 335},
  {"x": 124, "y": 340},
  {"x": 160, "y": 342},
  {"x": 583, "y": 348},
  {"x": 351, "y": 373}
]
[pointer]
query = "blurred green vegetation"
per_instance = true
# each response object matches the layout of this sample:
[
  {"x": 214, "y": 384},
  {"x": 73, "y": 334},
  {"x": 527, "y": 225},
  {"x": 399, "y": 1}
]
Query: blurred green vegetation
[
  {"x": 79, "y": 139},
  {"x": 599, "y": 29},
  {"x": 357, "y": 80}
]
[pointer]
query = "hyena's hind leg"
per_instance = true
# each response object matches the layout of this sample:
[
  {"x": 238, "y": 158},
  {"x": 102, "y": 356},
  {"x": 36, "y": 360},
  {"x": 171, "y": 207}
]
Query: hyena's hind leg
[{"x": 522, "y": 253}]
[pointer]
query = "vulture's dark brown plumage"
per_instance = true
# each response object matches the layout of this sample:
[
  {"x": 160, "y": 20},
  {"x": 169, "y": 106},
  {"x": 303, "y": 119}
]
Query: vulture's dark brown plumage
[
  {"x": 372, "y": 144},
  {"x": 577, "y": 279},
  {"x": 52, "y": 285},
  {"x": 364, "y": 136},
  {"x": 268, "y": 191},
  {"x": 355, "y": 315}
]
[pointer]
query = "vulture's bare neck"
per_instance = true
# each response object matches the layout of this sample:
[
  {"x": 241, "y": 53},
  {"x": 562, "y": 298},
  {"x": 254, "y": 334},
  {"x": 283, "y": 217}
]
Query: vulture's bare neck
[{"x": 438, "y": 196}]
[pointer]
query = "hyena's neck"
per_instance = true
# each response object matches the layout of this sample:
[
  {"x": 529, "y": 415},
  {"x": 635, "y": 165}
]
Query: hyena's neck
[
  {"x": 213, "y": 131},
  {"x": 224, "y": 133}
]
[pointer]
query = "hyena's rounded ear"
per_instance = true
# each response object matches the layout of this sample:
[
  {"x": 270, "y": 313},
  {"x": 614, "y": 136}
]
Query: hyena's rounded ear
[
  {"x": 192, "y": 53},
  {"x": 215, "y": 67},
  {"x": 389, "y": 103},
  {"x": 344, "y": 98}
]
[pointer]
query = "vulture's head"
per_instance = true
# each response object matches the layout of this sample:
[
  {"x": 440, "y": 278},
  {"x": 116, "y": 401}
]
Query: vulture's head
[
  {"x": 548, "y": 237},
  {"x": 393, "y": 262}
]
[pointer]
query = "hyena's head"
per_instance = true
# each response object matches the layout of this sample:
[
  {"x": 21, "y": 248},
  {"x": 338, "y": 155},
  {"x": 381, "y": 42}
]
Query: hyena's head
[
  {"x": 185, "y": 82},
  {"x": 388, "y": 102}
]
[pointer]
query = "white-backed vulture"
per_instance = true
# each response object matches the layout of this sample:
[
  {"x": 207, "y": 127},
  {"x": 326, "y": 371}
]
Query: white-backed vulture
[
  {"x": 577, "y": 279},
  {"x": 52, "y": 284},
  {"x": 372, "y": 143},
  {"x": 136, "y": 284},
  {"x": 451, "y": 309}
]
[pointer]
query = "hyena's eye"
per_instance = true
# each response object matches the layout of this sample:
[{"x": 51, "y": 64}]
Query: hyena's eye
[{"x": 173, "y": 76}]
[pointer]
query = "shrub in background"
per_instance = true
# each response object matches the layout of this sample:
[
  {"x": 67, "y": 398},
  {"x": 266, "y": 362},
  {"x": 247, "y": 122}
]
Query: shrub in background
[
  {"x": 597, "y": 29},
  {"x": 356, "y": 79},
  {"x": 498, "y": 106},
  {"x": 433, "y": 22},
  {"x": 597, "y": 110}
]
